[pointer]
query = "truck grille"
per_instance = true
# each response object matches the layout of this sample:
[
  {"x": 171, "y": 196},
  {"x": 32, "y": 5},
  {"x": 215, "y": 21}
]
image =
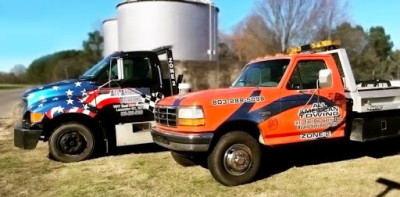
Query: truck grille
[{"x": 166, "y": 115}]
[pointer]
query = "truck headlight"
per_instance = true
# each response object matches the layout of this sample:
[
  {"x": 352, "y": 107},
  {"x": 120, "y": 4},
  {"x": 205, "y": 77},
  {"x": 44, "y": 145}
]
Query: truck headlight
[
  {"x": 36, "y": 117},
  {"x": 190, "y": 116}
]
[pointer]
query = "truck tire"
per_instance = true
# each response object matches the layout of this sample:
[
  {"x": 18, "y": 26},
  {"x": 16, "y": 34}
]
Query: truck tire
[
  {"x": 235, "y": 159},
  {"x": 71, "y": 142},
  {"x": 183, "y": 159}
]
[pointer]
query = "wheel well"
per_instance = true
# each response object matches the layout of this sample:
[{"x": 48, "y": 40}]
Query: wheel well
[
  {"x": 246, "y": 126},
  {"x": 92, "y": 124}
]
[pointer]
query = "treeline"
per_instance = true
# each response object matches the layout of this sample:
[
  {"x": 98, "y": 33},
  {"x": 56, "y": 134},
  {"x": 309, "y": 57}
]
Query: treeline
[
  {"x": 66, "y": 64},
  {"x": 276, "y": 25},
  {"x": 370, "y": 52},
  {"x": 17, "y": 75},
  {"x": 59, "y": 65},
  {"x": 11, "y": 78}
]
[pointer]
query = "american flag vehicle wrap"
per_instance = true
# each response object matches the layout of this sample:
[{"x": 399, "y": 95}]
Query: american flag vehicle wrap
[{"x": 74, "y": 96}]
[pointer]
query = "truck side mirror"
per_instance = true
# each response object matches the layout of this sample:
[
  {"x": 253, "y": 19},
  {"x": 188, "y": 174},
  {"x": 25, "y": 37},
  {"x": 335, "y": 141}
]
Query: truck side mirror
[
  {"x": 325, "y": 78},
  {"x": 120, "y": 66},
  {"x": 180, "y": 79}
]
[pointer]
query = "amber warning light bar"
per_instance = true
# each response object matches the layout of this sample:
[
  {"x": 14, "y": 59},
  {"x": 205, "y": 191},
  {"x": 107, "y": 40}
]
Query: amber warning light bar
[{"x": 316, "y": 46}]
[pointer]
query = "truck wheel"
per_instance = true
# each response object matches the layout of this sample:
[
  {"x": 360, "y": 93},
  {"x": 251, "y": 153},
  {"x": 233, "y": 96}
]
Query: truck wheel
[
  {"x": 71, "y": 142},
  {"x": 183, "y": 159},
  {"x": 235, "y": 159}
]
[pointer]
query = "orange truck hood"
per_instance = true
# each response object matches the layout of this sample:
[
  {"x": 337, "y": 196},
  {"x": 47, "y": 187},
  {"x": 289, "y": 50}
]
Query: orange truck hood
[
  {"x": 204, "y": 98},
  {"x": 219, "y": 104}
]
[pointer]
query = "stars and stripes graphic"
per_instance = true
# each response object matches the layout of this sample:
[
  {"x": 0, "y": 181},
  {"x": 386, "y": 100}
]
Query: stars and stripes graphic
[
  {"x": 84, "y": 98},
  {"x": 70, "y": 101}
]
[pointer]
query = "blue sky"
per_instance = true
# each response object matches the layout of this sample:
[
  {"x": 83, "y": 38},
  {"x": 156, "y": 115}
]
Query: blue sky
[{"x": 32, "y": 28}]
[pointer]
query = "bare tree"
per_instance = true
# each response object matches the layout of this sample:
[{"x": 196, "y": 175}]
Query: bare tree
[
  {"x": 225, "y": 47},
  {"x": 294, "y": 22},
  {"x": 251, "y": 38},
  {"x": 18, "y": 70}
]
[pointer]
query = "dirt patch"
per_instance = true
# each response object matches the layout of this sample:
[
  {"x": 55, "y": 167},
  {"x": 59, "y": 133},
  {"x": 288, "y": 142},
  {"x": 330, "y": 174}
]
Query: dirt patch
[{"x": 6, "y": 124}]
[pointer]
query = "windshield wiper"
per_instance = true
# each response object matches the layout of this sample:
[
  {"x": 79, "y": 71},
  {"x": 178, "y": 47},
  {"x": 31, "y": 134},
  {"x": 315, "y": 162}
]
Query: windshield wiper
[
  {"x": 85, "y": 77},
  {"x": 246, "y": 83}
]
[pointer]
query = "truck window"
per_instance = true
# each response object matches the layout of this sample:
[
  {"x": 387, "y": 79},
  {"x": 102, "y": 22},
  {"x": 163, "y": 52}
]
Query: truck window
[
  {"x": 306, "y": 75},
  {"x": 263, "y": 74},
  {"x": 137, "y": 72},
  {"x": 138, "y": 68},
  {"x": 104, "y": 75}
]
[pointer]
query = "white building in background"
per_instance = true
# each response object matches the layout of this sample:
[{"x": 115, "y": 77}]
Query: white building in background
[
  {"x": 110, "y": 31},
  {"x": 190, "y": 26}
]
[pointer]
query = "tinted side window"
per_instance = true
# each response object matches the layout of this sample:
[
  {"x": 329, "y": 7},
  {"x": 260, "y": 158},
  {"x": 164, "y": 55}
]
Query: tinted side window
[
  {"x": 137, "y": 72},
  {"x": 305, "y": 75},
  {"x": 137, "y": 69}
]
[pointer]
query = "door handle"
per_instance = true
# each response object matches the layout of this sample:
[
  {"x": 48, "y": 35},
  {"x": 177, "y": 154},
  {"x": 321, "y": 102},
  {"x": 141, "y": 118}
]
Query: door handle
[{"x": 305, "y": 91}]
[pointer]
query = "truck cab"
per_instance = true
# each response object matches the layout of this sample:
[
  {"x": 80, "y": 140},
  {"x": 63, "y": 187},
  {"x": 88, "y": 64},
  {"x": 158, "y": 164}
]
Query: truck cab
[
  {"x": 110, "y": 105},
  {"x": 278, "y": 100}
]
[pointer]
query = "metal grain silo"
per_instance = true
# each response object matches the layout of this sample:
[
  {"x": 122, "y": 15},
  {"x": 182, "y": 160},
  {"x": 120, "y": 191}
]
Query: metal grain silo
[
  {"x": 110, "y": 31},
  {"x": 190, "y": 26}
]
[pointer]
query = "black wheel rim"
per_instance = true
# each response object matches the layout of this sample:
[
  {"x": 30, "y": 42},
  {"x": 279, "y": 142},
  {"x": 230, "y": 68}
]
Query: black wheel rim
[{"x": 72, "y": 143}]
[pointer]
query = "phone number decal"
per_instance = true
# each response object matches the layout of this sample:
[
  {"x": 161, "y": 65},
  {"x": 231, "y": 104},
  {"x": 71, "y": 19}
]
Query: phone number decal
[{"x": 252, "y": 99}]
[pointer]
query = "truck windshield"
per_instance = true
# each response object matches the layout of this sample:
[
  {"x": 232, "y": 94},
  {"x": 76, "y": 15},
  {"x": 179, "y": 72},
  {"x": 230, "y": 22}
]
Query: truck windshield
[
  {"x": 262, "y": 74},
  {"x": 97, "y": 68}
]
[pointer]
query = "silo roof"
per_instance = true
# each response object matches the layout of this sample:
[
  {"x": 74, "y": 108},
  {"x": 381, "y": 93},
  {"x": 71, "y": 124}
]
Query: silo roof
[
  {"x": 203, "y": 2},
  {"x": 110, "y": 19}
]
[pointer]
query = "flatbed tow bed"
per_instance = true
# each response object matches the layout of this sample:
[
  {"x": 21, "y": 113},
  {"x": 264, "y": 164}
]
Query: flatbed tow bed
[{"x": 374, "y": 108}]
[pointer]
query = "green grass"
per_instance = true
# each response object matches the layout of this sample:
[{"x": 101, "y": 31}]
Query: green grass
[{"x": 32, "y": 173}]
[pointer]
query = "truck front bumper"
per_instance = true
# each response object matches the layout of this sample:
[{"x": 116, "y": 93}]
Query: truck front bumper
[
  {"x": 183, "y": 142},
  {"x": 26, "y": 138}
]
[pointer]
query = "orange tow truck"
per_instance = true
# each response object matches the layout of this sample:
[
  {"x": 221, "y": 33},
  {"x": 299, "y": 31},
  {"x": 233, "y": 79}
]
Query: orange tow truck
[{"x": 285, "y": 99}]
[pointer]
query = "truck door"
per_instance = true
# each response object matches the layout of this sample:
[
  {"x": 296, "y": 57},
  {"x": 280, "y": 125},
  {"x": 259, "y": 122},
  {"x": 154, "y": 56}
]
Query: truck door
[
  {"x": 127, "y": 105},
  {"x": 135, "y": 90},
  {"x": 309, "y": 113},
  {"x": 128, "y": 100}
]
